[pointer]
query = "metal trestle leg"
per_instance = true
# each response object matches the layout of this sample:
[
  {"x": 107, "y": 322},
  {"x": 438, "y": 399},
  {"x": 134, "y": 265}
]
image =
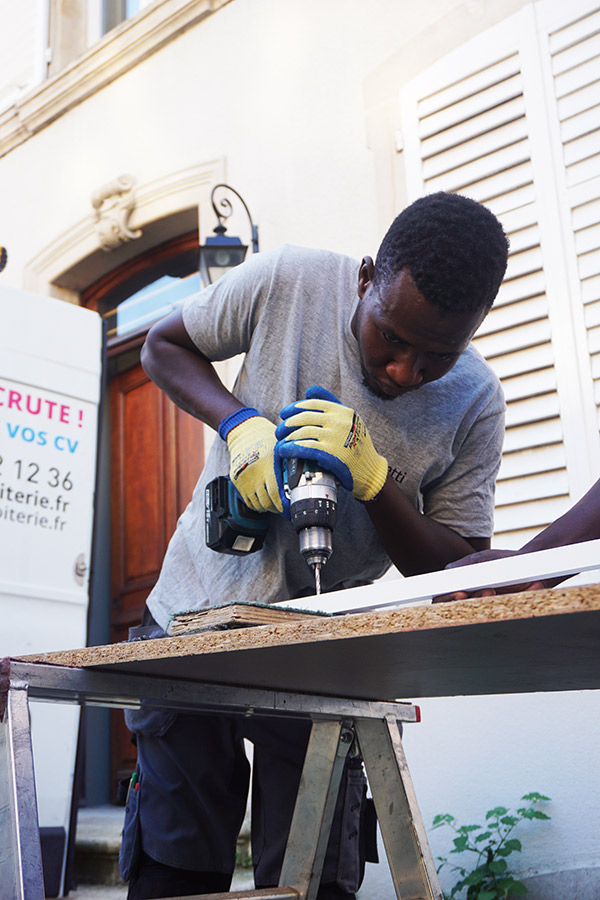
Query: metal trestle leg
[
  {"x": 407, "y": 848},
  {"x": 20, "y": 852}
]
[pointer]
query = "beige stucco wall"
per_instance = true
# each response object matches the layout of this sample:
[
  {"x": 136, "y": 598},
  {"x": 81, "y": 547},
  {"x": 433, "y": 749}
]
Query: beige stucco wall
[{"x": 297, "y": 101}]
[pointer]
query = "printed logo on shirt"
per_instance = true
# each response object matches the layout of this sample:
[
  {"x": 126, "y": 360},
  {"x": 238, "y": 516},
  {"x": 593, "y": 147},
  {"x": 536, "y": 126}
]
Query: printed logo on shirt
[{"x": 397, "y": 474}]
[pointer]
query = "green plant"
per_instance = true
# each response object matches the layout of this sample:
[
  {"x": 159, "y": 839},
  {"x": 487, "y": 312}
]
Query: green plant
[{"x": 489, "y": 877}]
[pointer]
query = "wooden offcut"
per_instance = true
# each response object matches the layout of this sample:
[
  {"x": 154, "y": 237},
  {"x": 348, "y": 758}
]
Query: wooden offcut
[
  {"x": 530, "y": 641},
  {"x": 235, "y": 615}
]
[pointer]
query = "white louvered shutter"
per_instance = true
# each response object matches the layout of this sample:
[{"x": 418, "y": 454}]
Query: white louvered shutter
[
  {"x": 574, "y": 50},
  {"x": 476, "y": 123}
]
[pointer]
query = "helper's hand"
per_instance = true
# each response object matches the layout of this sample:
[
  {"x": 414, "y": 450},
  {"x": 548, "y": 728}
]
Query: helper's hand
[
  {"x": 335, "y": 436},
  {"x": 484, "y": 556},
  {"x": 251, "y": 443}
]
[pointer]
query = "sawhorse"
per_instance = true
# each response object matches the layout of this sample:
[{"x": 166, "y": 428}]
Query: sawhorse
[{"x": 337, "y": 726}]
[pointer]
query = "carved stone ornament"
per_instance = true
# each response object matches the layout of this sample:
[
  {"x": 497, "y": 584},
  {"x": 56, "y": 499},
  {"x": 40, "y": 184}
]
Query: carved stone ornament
[{"x": 114, "y": 203}]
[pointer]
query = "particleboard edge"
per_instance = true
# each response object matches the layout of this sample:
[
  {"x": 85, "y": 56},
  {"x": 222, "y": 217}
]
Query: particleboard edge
[{"x": 460, "y": 614}]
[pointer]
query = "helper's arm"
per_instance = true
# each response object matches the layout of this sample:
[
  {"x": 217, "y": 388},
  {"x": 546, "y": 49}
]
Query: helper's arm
[{"x": 578, "y": 524}]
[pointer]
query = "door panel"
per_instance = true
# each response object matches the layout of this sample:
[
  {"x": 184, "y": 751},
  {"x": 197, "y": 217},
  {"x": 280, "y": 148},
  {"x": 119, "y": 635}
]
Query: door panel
[{"x": 156, "y": 457}]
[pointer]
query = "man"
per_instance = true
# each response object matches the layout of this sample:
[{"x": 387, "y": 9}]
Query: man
[{"x": 416, "y": 440}]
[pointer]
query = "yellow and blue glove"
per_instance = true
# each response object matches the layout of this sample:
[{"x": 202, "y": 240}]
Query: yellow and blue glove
[
  {"x": 335, "y": 436},
  {"x": 252, "y": 466}
]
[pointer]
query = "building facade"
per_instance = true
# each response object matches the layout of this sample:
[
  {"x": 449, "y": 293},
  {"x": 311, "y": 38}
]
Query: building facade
[{"x": 116, "y": 121}]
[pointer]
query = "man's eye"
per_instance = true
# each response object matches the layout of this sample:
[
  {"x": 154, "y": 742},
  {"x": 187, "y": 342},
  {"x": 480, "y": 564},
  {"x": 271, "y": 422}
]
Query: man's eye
[
  {"x": 443, "y": 357},
  {"x": 391, "y": 338}
]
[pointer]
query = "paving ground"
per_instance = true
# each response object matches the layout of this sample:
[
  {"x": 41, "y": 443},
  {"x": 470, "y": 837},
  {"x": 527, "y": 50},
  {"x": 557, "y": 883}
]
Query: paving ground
[{"x": 102, "y": 826}]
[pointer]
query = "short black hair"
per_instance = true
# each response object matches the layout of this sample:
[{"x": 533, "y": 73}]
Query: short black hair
[{"x": 455, "y": 249}]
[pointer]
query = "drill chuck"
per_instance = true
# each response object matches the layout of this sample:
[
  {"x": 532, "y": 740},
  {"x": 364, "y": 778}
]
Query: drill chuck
[{"x": 313, "y": 507}]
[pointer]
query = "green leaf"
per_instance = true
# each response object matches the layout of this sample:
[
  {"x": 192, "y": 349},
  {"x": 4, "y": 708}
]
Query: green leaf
[
  {"x": 496, "y": 813},
  {"x": 442, "y": 819},
  {"x": 537, "y": 814},
  {"x": 509, "y": 847},
  {"x": 535, "y": 797},
  {"x": 498, "y": 866},
  {"x": 487, "y": 895},
  {"x": 475, "y": 877},
  {"x": 483, "y": 836},
  {"x": 509, "y": 820},
  {"x": 460, "y": 843},
  {"x": 514, "y": 844},
  {"x": 465, "y": 829},
  {"x": 518, "y": 887}
]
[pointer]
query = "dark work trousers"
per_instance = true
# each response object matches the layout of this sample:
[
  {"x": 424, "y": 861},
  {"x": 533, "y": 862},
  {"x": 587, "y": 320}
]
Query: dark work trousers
[{"x": 183, "y": 817}]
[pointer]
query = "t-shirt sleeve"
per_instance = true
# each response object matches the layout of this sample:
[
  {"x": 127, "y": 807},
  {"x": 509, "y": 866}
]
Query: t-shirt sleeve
[
  {"x": 221, "y": 319},
  {"x": 463, "y": 498}
]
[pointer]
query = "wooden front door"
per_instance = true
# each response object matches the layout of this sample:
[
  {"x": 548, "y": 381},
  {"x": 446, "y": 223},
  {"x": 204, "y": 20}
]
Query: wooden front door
[{"x": 156, "y": 457}]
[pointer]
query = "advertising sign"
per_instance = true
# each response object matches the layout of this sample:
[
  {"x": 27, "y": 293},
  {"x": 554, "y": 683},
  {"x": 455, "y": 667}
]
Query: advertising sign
[{"x": 50, "y": 373}]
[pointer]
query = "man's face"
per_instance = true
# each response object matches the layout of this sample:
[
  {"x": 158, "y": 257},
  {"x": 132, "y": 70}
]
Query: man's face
[{"x": 404, "y": 340}]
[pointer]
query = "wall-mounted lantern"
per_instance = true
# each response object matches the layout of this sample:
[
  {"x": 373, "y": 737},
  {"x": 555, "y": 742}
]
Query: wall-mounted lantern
[{"x": 223, "y": 252}]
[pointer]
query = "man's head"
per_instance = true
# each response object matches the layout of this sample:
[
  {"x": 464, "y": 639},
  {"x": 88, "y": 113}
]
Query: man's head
[{"x": 437, "y": 273}]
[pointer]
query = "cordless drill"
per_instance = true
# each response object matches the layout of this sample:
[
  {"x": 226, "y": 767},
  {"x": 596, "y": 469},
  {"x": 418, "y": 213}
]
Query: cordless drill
[
  {"x": 231, "y": 527},
  {"x": 312, "y": 493}
]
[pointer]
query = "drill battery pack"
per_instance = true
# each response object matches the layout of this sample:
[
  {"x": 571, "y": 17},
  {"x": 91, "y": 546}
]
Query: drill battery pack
[{"x": 231, "y": 526}]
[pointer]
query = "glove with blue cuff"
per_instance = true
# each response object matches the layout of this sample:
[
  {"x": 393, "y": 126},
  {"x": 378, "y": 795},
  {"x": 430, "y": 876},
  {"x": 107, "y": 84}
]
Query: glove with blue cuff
[
  {"x": 335, "y": 436},
  {"x": 251, "y": 443}
]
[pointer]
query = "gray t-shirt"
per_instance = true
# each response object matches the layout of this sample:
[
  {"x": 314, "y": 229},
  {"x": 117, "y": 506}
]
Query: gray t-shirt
[{"x": 289, "y": 311}]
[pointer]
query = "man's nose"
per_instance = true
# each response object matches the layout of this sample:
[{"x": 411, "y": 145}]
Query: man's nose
[{"x": 406, "y": 369}]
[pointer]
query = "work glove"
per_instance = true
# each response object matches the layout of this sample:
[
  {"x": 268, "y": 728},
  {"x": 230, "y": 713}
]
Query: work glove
[
  {"x": 335, "y": 436},
  {"x": 251, "y": 443}
]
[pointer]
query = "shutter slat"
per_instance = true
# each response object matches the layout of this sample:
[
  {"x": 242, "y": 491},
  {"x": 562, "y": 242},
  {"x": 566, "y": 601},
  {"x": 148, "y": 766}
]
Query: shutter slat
[
  {"x": 582, "y": 123},
  {"x": 534, "y": 515},
  {"x": 589, "y": 264},
  {"x": 524, "y": 263},
  {"x": 522, "y": 336},
  {"x": 527, "y": 462},
  {"x": 536, "y": 434},
  {"x": 532, "y": 384},
  {"x": 468, "y": 107},
  {"x": 582, "y": 148},
  {"x": 594, "y": 340},
  {"x": 571, "y": 44},
  {"x": 475, "y": 83},
  {"x": 507, "y": 158},
  {"x": 532, "y": 409},
  {"x": 518, "y": 362},
  {"x": 484, "y": 123},
  {"x": 590, "y": 289},
  {"x": 478, "y": 148},
  {"x": 482, "y": 188},
  {"x": 584, "y": 70},
  {"x": 583, "y": 171},
  {"x": 592, "y": 314},
  {"x": 501, "y": 318},
  {"x": 573, "y": 104},
  {"x": 587, "y": 239},
  {"x": 532, "y": 487},
  {"x": 531, "y": 285}
]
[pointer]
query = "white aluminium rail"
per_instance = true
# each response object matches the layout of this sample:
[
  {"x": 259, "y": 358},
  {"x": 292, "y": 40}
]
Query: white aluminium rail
[{"x": 527, "y": 567}]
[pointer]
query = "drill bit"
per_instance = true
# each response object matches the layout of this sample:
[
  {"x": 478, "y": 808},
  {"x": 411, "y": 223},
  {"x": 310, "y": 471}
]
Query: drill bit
[{"x": 317, "y": 571}]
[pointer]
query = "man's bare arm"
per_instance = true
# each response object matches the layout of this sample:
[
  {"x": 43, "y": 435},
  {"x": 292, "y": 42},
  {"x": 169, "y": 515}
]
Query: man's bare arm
[
  {"x": 414, "y": 542},
  {"x": 174, "y": 363}
]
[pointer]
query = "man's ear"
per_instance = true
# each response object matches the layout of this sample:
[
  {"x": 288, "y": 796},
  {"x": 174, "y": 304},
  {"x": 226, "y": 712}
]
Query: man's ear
[{"x": 365, "y": 275}]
